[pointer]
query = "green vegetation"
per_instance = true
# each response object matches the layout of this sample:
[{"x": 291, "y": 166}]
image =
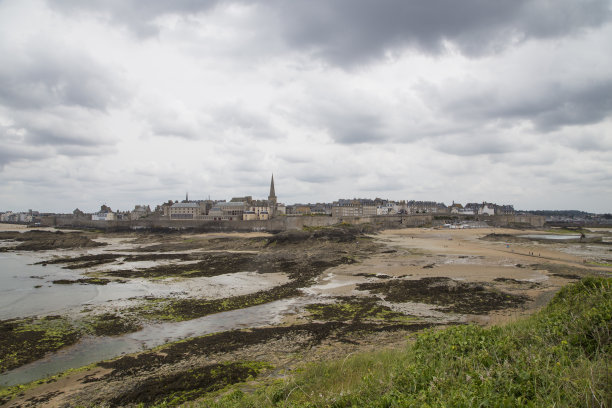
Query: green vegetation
[
  {"x": 109, "y": 324},
  {"x": 26, "y": 340},
  {"x": 82, "y": 281},
  {"x": 558, "y": 357},
  {"x": 186, "y": 309},
  {"x": 449, "y": 295},
  {"x": 354, "y": 308},
  {"x": 606, "y": 264},
  {"x": 8, "y": 393},
  {"x": 563, "y": 271},
  {"x": 175, "y": 389}
]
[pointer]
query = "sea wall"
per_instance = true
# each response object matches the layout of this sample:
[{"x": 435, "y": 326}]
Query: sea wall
[
  {"x": 516, "y": 220},
  {"x": 289, "y": 223}
]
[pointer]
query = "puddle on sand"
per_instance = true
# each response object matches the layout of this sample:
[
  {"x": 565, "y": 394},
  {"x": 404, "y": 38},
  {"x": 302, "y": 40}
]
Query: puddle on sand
[
  {"x": 94, "y": 349},
  {"x": 549, "y": 236}
]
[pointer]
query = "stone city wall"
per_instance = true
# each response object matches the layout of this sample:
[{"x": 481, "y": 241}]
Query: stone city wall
[{"x": 288, "y": 223}]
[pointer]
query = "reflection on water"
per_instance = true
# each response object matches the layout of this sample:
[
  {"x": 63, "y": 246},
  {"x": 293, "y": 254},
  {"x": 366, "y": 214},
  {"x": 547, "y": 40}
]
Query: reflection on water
[
  {"x": 94, "y": 349},
  {"x": 27, "y": 289},
  {"x": 549, "y": 236}
]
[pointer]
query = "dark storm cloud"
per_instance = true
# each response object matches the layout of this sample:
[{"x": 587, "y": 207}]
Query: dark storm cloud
[
  {"x": 346, "y": 32},
  {"x": 349, "y": 31},
  {"x": 548, "y": 105}
]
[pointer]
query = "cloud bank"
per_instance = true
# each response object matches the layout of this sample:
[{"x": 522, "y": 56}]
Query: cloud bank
[{"x": 124, "y": 102}]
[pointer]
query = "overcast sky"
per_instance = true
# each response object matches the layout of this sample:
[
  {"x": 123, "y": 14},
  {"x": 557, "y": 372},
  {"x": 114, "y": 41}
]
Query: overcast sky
[{"x": 130, "y": 102}]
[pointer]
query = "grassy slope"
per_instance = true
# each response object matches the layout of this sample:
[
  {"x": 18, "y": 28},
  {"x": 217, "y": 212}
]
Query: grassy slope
[{"x": 559, "y": 357}]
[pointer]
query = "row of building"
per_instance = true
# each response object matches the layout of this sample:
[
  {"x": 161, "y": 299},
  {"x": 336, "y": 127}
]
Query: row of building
[
  {"x": 246, "y": 208},
  {"x": 20, "y": 217},
  {"x": 359, "y": 207}
]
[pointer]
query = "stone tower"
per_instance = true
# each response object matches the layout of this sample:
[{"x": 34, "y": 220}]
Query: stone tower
[{"x": 272, "y": 197}]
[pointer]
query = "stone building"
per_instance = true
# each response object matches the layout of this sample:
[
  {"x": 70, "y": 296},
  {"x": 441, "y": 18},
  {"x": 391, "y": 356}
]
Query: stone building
[
  {"x": 185, "y": 211},
  {"x": 353, "y": 208},
  {"x": 227, "y": 211},
  {"x": 422, "y": 207},
  {"x": 140, "y": 211}
]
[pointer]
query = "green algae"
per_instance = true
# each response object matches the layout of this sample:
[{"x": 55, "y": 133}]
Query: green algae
[
  {"x": 26, "y": 340},
  {"x": 449, "y": 295},
  {"x": 191, "y": 308},
  {"x": 354, "y": 308},
  {"x": 178, "y": 388},
  {"x": 109, "y": 324}
]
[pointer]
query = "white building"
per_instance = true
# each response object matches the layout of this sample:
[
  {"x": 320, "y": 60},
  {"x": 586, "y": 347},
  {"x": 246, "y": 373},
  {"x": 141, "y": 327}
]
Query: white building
[
  {"x": 486, "y": 209},
  {"x": 104, "y": 216}
]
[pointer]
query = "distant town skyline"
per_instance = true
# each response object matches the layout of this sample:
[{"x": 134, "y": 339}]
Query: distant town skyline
[{"x": 126, "y": 103}]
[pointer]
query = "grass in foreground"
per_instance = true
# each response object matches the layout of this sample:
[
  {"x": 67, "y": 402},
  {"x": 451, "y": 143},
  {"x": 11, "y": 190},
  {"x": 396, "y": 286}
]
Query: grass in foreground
[{"x": 559, "y": 357}]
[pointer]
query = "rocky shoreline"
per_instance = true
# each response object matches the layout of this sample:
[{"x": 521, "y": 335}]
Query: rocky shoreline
[{"x": 364, "y": 290}]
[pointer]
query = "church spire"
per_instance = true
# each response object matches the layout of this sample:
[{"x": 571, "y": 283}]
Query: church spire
[
  {"x": 272, "y": 192},
  {"x": 272, "y": 198}
]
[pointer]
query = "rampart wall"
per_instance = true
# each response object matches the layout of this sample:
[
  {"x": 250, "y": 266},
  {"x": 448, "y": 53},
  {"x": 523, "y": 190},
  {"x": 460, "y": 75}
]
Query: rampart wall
[{"x": 290, "y": 223}]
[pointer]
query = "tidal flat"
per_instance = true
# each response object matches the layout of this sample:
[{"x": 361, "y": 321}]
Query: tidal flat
[{"x": 166, "y": 308}]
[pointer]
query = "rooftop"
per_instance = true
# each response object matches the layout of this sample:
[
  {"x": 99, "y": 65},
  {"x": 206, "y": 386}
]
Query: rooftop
[{"x": 185, "y": 205}]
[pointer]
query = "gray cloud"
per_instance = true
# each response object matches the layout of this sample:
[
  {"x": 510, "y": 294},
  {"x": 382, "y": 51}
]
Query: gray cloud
[
  {"x": 244, "y": 121},
  {"x": 135, "y": 15},
  {"x": 345, "y": 116},
  {"x": 548, "y": 105},
  {"x": 478, "y": 144},
  {"x": 317, "y": 177},
  {"x": 587, "y": 141},
  {"x": 185, "y": 121},
  {"x": 55, "y": 98},
  {"x": 212, "y": 96},
  {"x": 59, "y": 131},
  {"x": 41, "y": 135},
  {"x": 587, "y": 104},
  {"x": 10, "y": 153},
  {"x": 353, "y": 127},
  {"x": 43, "y": 73},
  {"x": 347, "y": 32},
  {"x": 350, "y": 31}
]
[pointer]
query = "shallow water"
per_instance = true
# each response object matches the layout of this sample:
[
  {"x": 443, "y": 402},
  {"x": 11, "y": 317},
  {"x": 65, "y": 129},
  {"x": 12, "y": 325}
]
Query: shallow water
[
  {"x": 94, "y": 349},
  {"x": 19, "y": 296},
  {"x": 549, "y": 236}
]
